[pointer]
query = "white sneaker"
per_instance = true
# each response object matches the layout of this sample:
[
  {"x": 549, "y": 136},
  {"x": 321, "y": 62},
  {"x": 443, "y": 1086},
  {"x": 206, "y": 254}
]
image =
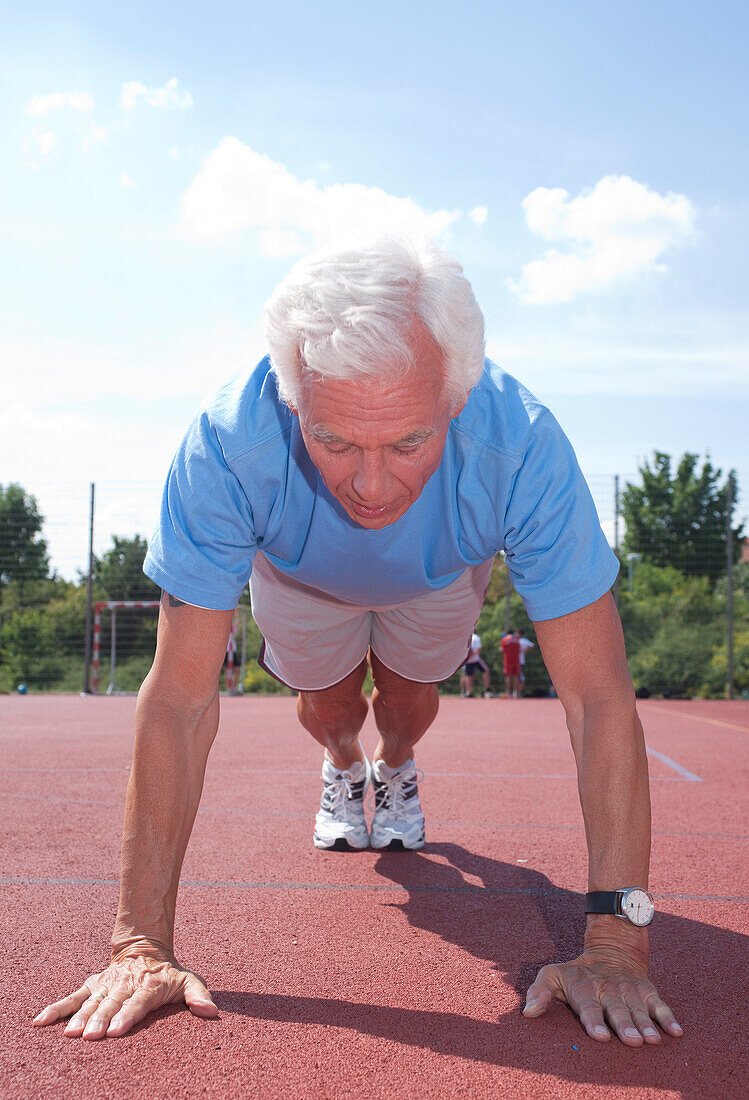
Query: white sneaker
[
  {"x": 398, "y": 821},
  {"x": 340, "y": 822}
]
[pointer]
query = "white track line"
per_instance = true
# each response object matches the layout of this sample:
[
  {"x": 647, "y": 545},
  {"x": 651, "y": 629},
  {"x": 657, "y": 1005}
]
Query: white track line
[{"x": 690, "y": 776}]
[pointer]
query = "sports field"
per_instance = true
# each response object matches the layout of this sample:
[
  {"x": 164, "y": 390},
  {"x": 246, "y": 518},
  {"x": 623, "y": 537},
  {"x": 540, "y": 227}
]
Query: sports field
[{"x": 366, "y": 974}]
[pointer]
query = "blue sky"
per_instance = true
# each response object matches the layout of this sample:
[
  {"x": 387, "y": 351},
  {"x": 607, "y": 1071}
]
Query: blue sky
[{"x": 164, "y": 164}]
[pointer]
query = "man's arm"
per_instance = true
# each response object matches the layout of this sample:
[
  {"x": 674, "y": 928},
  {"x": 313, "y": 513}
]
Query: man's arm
[
  {"x": 584, "y": 653},
  {"x": 176, "y": 722}
]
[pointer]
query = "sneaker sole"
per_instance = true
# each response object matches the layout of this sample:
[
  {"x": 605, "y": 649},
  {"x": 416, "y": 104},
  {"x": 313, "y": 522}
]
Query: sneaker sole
[
  {"x": 340, "y": 844},
  {"x": 399, "y": 846}
]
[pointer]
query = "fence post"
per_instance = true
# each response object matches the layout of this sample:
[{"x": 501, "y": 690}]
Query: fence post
[
  {"x": 729, "y": 587},
  {"x": 112, "y": 651},
  {"x": 89, "y": 593}
]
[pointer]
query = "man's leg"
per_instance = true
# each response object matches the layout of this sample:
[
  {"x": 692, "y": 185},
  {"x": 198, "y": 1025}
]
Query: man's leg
[
  {"x": 335, "y": 715},
  {"x": 469, "y": 685},
  {"x": 403, "y": 709}
]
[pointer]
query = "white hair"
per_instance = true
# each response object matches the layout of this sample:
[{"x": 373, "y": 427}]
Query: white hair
[{"x": 350, "y": 311}]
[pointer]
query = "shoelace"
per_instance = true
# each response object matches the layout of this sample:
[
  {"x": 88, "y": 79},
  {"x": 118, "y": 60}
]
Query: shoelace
[
  {"x": 339, "y": 794},
  {"x": 395, "y": 792}
]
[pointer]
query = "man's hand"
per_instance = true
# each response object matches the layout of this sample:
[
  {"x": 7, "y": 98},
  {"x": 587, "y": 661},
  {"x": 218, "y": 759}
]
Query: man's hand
[
  {"x": 133, "y": 985},
  {"x": 608, "y": 982}
]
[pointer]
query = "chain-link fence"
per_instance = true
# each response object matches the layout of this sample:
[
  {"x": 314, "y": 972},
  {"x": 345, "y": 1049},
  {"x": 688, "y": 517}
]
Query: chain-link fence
[{"x": 78, "y": 614}]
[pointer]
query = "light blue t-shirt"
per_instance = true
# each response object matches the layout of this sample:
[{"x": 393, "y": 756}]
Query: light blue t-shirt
[{"x": 242, "y": 481}]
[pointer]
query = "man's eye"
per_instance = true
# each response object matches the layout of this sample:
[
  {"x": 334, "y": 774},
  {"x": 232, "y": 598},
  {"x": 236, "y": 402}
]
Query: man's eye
[
  {"x": 406, "y": 448},
  {"x": 337, "y": 449}
]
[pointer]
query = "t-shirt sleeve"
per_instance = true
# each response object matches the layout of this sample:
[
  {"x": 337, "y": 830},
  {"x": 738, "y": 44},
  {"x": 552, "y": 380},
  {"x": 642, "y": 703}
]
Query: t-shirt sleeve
[
  {"x": 204, "y": 545},
  {"x": 557, "y": 554}
]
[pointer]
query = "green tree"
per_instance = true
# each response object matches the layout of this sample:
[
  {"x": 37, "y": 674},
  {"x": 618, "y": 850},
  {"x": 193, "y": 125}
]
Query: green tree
[
  {"x": 679, "y": 518},
  {"x": 672, "y": 627},
  {"x": 119, "y": 574},
  {"x": 23, "y": 552},
  {"x": 27, "y": 654}
]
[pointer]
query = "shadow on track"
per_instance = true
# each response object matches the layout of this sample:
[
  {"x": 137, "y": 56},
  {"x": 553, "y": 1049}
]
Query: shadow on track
[{"x": 518, "y": 920}]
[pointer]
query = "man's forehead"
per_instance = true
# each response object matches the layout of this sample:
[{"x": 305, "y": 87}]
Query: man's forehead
[{"x": 324, "y": 433}]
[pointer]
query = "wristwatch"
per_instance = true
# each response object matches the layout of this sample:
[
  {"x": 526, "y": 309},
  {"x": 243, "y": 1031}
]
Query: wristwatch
[{"x": 632, "y": 903}]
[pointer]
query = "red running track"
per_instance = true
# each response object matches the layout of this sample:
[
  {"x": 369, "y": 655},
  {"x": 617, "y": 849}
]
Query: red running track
[{"x": 371, "y": 975}]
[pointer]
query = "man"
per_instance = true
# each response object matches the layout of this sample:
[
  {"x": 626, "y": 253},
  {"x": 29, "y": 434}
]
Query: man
[
  {"x": 511, "y": 663},
  {"x": 474, "y": 664},
  {"x": 525, "y": 644},
  {"x": 363, "y": 478}
]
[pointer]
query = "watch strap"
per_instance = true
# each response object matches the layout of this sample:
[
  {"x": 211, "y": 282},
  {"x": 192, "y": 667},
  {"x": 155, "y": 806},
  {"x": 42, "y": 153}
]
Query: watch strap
[{"x": 603, "y": 901}]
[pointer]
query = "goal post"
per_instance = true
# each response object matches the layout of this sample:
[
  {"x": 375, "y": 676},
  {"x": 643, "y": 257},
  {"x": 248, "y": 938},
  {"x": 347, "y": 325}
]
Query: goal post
[
  {"x": 114, "y": 606},
  {"x": 235, "y": 650}
]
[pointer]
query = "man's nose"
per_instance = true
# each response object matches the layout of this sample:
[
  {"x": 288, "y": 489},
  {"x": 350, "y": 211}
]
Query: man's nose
[{"x": 370, "y": 477}]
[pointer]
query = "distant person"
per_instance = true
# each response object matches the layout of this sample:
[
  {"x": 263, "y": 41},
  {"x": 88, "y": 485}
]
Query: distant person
[
  {"x": 474, "y": 664},
  {"x": 511, "y": 663},
  {"x": 362, "y": 478},
  {"x": 525, "y": 644}
]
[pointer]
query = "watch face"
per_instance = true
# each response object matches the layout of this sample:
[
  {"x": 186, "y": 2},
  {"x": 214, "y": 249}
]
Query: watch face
[{"x": 638, "y": 906}]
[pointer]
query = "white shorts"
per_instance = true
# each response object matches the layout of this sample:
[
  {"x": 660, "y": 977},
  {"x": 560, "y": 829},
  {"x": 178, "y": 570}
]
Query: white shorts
[{"x": 312, "y": 640}]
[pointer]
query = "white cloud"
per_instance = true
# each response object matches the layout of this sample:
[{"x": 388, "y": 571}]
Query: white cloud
[
  {"x": 77, "y": 101},
  {"x": 125, "y": 180},
  {"x": 479, "y": 214},
  {"x": 617, "y": 229},
  {"x": 95, "y": 135},
  {"x": 40, "y": 372},
  {"x": 166, "y": 98},
  {"x": 25, "y": 421},
  {"x": 556, "y": 363},
  {"x": 44, "y": 140},
  {"x": 237, "y": 188}
]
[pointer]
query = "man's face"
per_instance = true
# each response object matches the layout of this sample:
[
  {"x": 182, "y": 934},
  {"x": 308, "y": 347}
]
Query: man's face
[{"x": 377, "y": 442}]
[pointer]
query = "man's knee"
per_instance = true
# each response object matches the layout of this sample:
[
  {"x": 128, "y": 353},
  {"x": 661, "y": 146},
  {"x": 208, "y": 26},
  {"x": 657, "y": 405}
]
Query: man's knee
[
  {"x": 402, "y": 696},
  {"x": 334, "y": 707}
]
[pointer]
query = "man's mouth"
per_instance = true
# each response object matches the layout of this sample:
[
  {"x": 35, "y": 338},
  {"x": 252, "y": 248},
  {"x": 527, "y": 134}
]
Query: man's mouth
[{"x": 367, "y": 512}]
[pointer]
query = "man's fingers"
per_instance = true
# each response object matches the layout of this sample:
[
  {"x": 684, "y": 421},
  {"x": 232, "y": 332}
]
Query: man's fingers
[
  {"x": 199, "y": 1000},
  {"x": 543, "y": 991},
  {"x": 60, "y": 1009},
  {"x": 98, "y": 1021},
  {"x": 644, "y": 1024},
  {"x": 589, "y": 1009},
  {"x": 662, "y": 1013},
  {"x": 134, "y": 1009},
  {"x": 621, "y": 1021},
  {"x": 76, "y": 1025}
]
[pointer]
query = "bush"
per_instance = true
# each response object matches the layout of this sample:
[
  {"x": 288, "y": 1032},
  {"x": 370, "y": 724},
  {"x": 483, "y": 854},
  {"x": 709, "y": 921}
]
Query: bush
[
  {"x": 258, "y": 681},
  {"x": 716, "y": 678},
  {"x": 672, "y": 626}
]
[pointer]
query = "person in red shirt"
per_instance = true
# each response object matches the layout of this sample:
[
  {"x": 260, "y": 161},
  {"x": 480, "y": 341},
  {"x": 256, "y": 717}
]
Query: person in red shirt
[{"x": 511, "y": 663}]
